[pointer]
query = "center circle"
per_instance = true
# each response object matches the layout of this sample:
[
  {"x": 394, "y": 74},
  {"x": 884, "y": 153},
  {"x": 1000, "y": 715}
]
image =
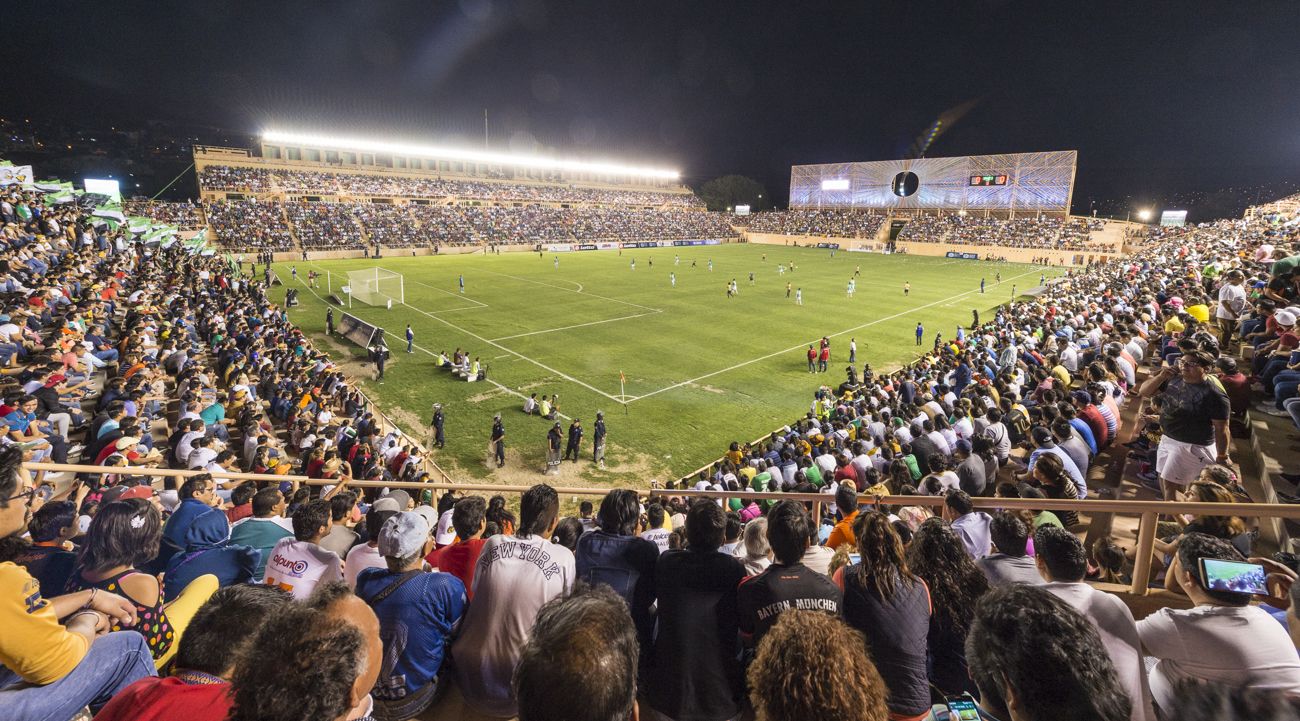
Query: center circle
[{"x": 906, "y": 183}]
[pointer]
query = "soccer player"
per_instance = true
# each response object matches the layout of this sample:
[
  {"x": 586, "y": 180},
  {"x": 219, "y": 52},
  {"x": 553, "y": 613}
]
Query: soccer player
[
  {"x": 557, "y": 262},
  {"x": 461, "y": 281},
  {"x": 981, "y": 285},
  {"x": 907, "y": 287},
  {"x": 849, "y": 289},
  {"x": 999, "y": 277},
  {"x": 729, "y": 291},
  {"x": 857, "y": 272},
  {"x": 634, "y": 264},
  {"x": 751, "y": 277},
  {"x": 710, "y": 265},
  {"x": 410, "y": 339},
  {"x": 780, "y": 269},
  {"x": 920, "y": 332},
  {"x": 1013, "y": 290},
  {"x": 787, "y": 290},
  {"x": 672, "y": 278},
  {"x": 798, "y": 296},
  {"x": 677, "y": 260}
]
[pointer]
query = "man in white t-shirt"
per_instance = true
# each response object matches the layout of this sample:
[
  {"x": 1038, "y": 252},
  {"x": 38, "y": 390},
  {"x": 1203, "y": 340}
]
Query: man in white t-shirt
[
  {"x": 657, "y": 534},
  {"x": 515, "y": 575},
  {"x": 1063, "y": 563},
  {"x": 1223, "y": 639},
  {"x": 297, "y": 564},
  {"x": 366, "y": 555}
]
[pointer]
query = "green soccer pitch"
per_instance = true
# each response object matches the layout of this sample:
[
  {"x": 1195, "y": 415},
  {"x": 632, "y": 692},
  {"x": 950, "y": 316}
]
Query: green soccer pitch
[{"x": 701, "y": 369}]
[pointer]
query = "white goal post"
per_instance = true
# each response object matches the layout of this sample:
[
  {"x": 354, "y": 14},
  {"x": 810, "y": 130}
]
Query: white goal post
[{"x": 376, "y": 286}]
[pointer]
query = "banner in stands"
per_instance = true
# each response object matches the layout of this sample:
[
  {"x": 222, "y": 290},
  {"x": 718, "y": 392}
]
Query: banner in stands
[
  {"x": 570, "y": 247},
  {"x": 586, "y": 246},
  {"x": 962, "y": 256},
  {"x": 11, "y": 174},
  {"x": 641, "y": 244},
  {"x": 829, "y": 246},
  {"x": 711, "y": 241},
  {"x": 559, "y": 248}
]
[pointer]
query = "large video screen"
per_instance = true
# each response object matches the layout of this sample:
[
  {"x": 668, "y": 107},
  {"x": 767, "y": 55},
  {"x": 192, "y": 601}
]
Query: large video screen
[{"x": 111, "y": 188}]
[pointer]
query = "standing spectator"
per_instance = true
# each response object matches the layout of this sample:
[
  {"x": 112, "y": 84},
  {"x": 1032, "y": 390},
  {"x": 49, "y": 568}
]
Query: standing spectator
[
  {"x": 55, "y": 658},
  {"x": 891, "y": 607},
  {"x": 459, "y": 559},
  {"x": 1030, "y": 651},
  {"x": 514, "y": 577},
  {"x": 265, "y": 528},
  {"x": 418, "y": 614},
  {"x": 1194, "y": 419},
  {"x": 787, "y": 583},
  {"x": 695, "y": 672},
  {"x": 615, "y": 556},
  {"x": 971, "y": 526},
  {"x": 937, "y": 557},
  {"x": 812, "y": 665},
  {"x": 1011, "y": 562},
  {"x": 846, "y": 501},
  {"x": 580, "y": 661},
  {"x": 1063, "y": 562},
  {"x": 1232, "y": 304},
  {"x": 1223, "y": 639},
  {"x": 297, "y": 564}
]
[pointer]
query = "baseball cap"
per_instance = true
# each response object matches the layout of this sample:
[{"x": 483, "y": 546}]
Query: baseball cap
[
  {"x": 402, "y": 498},
  {"x": 387, "y": 503},
  {"x": 1082, "y": 396},
  {"x": 1284, "y": 317},
  {"x": 403, "y": 535},
  {"x": 1041, "y": 435},
  {"x": 445, "y": 533},
  {"x": 429, "y": 514},
  {"x": 963, "y": 445},
  {"x": 140, "y": 491}
]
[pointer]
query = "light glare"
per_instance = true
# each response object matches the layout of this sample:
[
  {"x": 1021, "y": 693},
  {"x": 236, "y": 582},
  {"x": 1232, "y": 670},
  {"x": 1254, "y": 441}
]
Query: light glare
[{"x": 477, "y": 156}]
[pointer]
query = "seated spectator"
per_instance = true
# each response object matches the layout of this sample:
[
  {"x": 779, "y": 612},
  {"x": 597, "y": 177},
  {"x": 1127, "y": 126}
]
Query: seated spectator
[
  {"x": 938, "y": 558},
  {"x": 265, "y": 528},
  {"x": 812, "y": 665},
  {"x": 580, "y": 661},
  {"x": 123, "y": 535},
  {"x": 754, "y": 551},
  {"x": 891, "y": 607},
  {"x": 1010, "y": 563},
  {"x": 197, "y": 497},
  {"x": 418, "y": 613},
  {"x": 366, "y": 555},
  {"x": 56, "y": 656},
  {"x": 336, "y": 636},
  {"x": 50, "y": 558},
  {"x": 208, "y": 550},
  {"x": 1036, "y": 659},
  {"x": 971, "y": 526},
  {"x": 615, "y": 556},
  {"x": 514, "y": 577},
  {"x": 696, "y": 670},
  {"x": 1062, "y": 561},
  {"x": 459, "y": 559},
  {"x": 241, "y": 501},
  {"x": 658, "y": 532},
  {"x": 297, "y": 564},
  {"x": 1223, "y": 639},
  {"x": 787, "y": 583},
  {"x": 341, "y": 538},
  {"x": 199, "y": 687},
  {"x": 846, "y": 502}
]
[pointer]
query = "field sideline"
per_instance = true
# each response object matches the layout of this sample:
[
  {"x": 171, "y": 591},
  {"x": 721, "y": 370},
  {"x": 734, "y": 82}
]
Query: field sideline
[{"x": 701, "y": 369}]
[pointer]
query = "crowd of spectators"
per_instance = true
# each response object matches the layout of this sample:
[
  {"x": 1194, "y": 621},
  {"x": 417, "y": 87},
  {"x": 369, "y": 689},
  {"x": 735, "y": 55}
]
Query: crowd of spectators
[
  {"x": 256, "y": 225},
  {"x": 232, "y": 178},
  {"x": 275, "y": 600},
  {"x": 185, "y": 215},
  {"x": 829, "y": 223},
  {"x": 605, "y": 224},
  {"x": 1023, "y": 232},
  {"x": 324, "y": 226}
]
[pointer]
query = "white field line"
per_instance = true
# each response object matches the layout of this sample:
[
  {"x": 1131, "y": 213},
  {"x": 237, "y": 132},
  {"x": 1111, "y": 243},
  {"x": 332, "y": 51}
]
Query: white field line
[
  {"x": 426, "y": 351},
  {"x": 578, "y": 291},
  {"x": 793, "y": 348},
  {"x": 578, "y": 325},
  {"x": 479, "y": 303}
]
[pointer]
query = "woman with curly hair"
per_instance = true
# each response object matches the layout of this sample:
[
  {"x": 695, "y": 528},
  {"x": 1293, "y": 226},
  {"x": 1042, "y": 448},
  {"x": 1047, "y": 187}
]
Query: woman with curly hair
[
  {"x": 890, "y": 605},
  {"x": 1055, "y": 482},
  {"x": 813, "y": 666},
  {"x": 956, "y": 584}
]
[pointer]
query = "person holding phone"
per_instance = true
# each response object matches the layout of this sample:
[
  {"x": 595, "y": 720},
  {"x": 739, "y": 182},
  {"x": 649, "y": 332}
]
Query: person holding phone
[{"x": 1223, "y": 639}]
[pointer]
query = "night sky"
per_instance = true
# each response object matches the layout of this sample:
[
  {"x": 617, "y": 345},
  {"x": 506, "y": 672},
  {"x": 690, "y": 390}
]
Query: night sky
[{"x": 1158, "y": 98}]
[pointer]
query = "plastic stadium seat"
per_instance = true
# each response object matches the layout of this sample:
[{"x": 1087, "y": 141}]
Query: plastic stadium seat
[{"x": 180, "y": 611}]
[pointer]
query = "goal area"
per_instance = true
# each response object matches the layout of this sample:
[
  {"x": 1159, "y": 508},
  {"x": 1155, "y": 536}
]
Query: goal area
[{"x": 376, "y": 286}]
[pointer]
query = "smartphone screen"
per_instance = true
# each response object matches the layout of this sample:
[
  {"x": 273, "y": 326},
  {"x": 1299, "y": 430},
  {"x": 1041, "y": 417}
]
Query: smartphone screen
[
  {"x": 1233, "y": 576},
  {"x": 962, "y": 709}
]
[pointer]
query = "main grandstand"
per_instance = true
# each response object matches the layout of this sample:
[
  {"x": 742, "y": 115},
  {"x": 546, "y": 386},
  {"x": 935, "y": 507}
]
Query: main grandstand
[{"x": 193, "y": 425}]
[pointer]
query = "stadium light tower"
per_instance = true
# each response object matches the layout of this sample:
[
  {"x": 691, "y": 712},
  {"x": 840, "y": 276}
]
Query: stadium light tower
[{"x": 1144, "y": 214}]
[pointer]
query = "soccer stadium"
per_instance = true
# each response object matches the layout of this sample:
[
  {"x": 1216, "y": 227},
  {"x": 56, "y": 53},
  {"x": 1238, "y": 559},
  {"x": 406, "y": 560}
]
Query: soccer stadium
[{"x": 308, "y": 422}]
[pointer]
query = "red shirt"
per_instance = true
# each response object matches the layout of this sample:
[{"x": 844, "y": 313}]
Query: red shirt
[
  {"x": 459, "y": 560},
  {"x": 1097, "y": 422},
  {"x": 167, "y": 699},
  {"x": 239, "y": 512},
  {"x": 826, "y": 353}
]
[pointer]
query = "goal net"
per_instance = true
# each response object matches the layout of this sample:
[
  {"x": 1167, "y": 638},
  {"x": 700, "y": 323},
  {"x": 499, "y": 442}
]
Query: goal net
[{"x": 376, "y": 286}]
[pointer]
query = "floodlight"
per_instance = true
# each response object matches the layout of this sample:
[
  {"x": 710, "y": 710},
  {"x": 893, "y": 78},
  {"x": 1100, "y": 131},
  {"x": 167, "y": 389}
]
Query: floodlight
[
  {"x": 476, "y": 156},
  {"x": 1144, "y": 215}
]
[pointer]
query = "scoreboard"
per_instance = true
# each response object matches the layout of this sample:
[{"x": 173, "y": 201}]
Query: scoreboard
[{"x": 987, "y": 180}]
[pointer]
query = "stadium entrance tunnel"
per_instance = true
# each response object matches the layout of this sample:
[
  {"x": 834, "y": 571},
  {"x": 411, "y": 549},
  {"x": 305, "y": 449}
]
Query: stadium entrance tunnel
[{"x": 906, "y": 183}]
